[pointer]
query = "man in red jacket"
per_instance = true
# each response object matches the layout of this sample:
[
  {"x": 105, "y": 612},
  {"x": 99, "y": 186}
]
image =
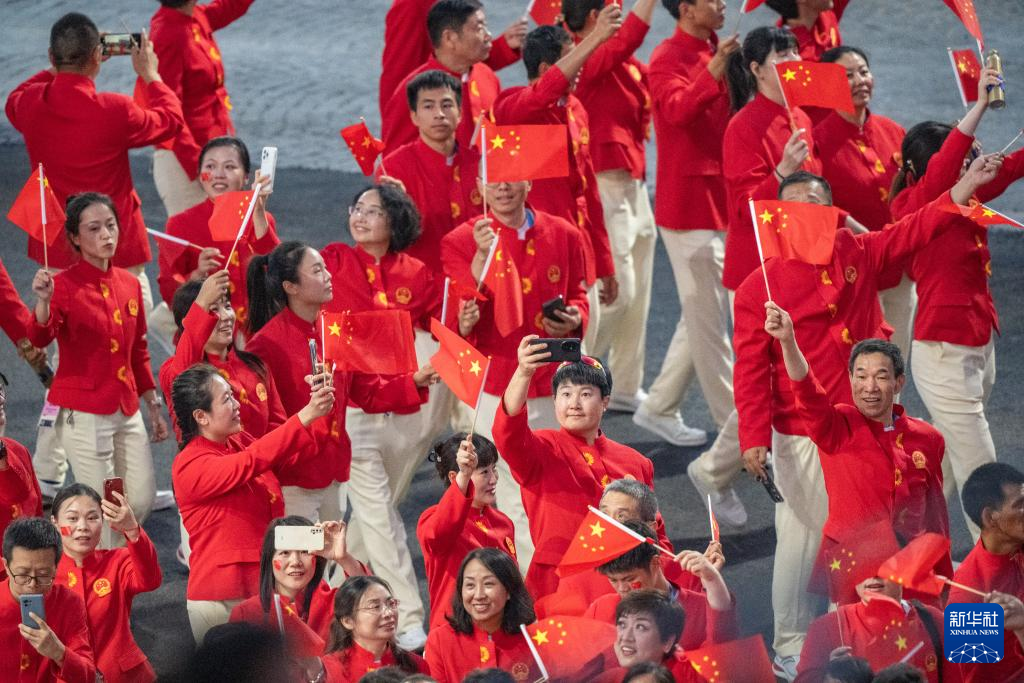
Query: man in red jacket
[
  {"x": 19, "y": 490},
  {"x": 815, "y": 23}
]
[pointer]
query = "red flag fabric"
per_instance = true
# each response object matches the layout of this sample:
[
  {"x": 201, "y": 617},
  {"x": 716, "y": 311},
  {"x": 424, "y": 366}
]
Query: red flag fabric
[
  {"x": 716, "y": 532},
  {"x": 302, "y": 641},
  {"x": 459, "y": 365},
  {"x": 967, "y": 71},
  {"x": 457, "y": 293},
  {"x": 482, "y": 93},
  {"x": 374, "y": 342},
  {"x": 546, "y": 12},
  {"x": 525, "y": 152},
  {"x": 598, "y": 540},
  {"x": 796, "y": 230},
  {"x": 981, "y": 214},
  {"x": 964, "y": 10},
  {"x": 750, "y": 5},
  {"x": 738, "y": 661},
  {"x": 364, "y": 147},
  {"x": 574, "y": 648},
  {"x": 912, "y": 567},
  {"x": 881, "y": 611},
  {"x": 228, "y": 213},
  {"x": 502, "y": 278},
  {"x": 26, "y": 212},
  {"x": 815, "y": 84},
  {"x": 857, "y": 557}
]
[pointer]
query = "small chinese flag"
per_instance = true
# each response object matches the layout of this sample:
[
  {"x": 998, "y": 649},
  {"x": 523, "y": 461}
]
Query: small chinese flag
[
  {"x": 457, "y": 293},
  {"x": 573, "y": 648},
  {"x": 815, "y": 84},
  {"x": 967, "y": 71},
  {"x": 546, "y": 12},
  {"x": 981, "y": 214},
  {"x": 28, "y": 210},
  {"x": 912, "y": 567},
  {"x": 599, "y": 539},
  {"x": 364, "y": 147},
  {"x": 459, "y": 365},
  {"x": 796, "y": 230},
  {"x": 374, "y": 342},
  {"x": 964, "y": 10},
  {"x": 526, "y": 152},
  {"x": 750, "y": 5},
  {"x": 482, "y": 91},
  {"x": 881, "y": 611},
  {"x": 228, "y": 213},
  {"x": 738, "y": 661},
  {"x": 502, "y": 278},
  {"x": 716, "y": 532},
  {"x": 302, "y": 641},
  {"x": 857, "y": 557}
]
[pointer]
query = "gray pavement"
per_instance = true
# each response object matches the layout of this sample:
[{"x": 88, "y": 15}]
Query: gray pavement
[{"x": 298, "y": 70}]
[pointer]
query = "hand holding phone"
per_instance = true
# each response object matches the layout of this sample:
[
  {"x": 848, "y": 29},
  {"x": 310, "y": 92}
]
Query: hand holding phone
[
  {"x": 550, "y": 306},
  {"x": 111, "y": 485},
  {"x": 118, "y": 44},
  {"x": 268, "y": 165},
  {"x": 561, "y": 349},
  {"x": 769, "y": 485},
  {"x": 308, "y": 538},
  {"x": 31, "y": 602}
]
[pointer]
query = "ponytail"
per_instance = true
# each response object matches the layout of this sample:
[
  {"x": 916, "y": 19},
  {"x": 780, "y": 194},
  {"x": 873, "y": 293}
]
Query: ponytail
[
  {"x": 265, "y": 282},
  {"x": 919, "y": 145},
  {"x": 758, "y": 44}
]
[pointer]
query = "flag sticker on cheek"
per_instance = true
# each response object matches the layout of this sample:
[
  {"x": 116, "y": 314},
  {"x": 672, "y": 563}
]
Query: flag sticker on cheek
[
  {"x": 278, "y": 565},
  {"x": 636, "y": 585},
  {"x": 66, "y": 531},
  {"x": 205, "y": 176}
]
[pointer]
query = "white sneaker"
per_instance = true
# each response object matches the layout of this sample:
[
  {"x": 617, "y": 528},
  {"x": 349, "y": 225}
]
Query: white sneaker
[
  {"x": 726, "y": 505},
  {"x": 164, "y": 500},
  {"x": 670, "y": 428},
  {"x": 785, "y": 667},
  {"x": 413, "y": 639},
  {"x": 627, "y": 404}
]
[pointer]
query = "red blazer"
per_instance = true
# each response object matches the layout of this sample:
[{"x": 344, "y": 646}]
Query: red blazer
[
  {"x": 260, "y": 404},
  {"x": 65, "y": 615},
  {"x": 407, "y": 45},
  {"x": 227, "y": 494},
  {"x": 190, "y": 64},
  {"x": 177, "y": 263},
  {"x": 108, "y": 581},
  {"x": 550, "y": 263},
  {"x": 677, "y": 663},
  {"x": 15, "y": 317},
  {"x": 19, "y": 488},
  {"x": 954, "y": 301},
  {"x": 97, "y": 319},
  {"x": 560, "y": 475},
  {"x": 752, "y": 148},
  {"x": 691, "y": 111},
  {"x": 575, "y": 198},
  {"x": 873, "y": 474},
  {"x": 426, "y": 173},
  {"x": 833, "y": 307},
  {"x": 277, "y": 344},
  {"x": 82, "y": 138},
  {"x": 824, "y": 35},
  {"x": 447, "y": 532},
  {"x": 614, "y": 90},
  {"x": 397, "y": 128},
  {"x": 987, "y": 571},
  {"x": 319, "y": 618},
  {"x": 452, "y": 655},
  {"x": 349, "y": 665}
]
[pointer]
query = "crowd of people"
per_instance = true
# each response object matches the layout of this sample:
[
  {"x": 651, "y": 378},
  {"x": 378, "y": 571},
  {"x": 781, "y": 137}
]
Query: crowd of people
[{"x": 801, "y": 364}]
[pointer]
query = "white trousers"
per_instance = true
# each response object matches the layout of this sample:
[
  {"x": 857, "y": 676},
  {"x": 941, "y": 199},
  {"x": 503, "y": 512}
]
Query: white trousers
[
  {"x": 176, "y": 191},
  {"x": 205, "y": 614},
  {"x": 700, "y": 343},
  {"x": 898, "y": 304},
  {"x": 315, "y": 505},
  {"x": 718, "y": 466},
  {"x": 622, "y": 335}
]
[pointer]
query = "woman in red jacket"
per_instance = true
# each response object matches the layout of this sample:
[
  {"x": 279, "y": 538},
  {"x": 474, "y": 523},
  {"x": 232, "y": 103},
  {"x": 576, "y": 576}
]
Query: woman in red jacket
[
  {"x": 94, "y": 310},
  {"x": 107, "y": 580},
  {"x": 226, "y": 485},
  {"x": 363, "y": 632}
]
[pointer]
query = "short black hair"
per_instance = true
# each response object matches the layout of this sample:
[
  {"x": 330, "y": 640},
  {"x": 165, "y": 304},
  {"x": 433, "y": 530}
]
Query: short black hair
[
  {"x": 657, "y": 672},
  {"x": 787, "y": 9},
  {"x": 239, "y": 651},
  {"x": 488, "y": 676},
  {"x": 31, "y": 533},
  {"x": 901, "y": 672},
  {"x": 387, "y": 674},
  {"x": 575, "y": 12},
  {"x": 518, "y": 609},
  {"x": 581, "y": 373},
  {"x": 850, "y": 669},
  {"x": 402, "y": 214},
  {"x": 668, "y": 615},
  {"x": 449, "y": 15},
  {"x": 802, "y": 177},
  {"x": 832, "y": 55},
  {"x": 639, "y": 557},
  {"x": 543, "y": 45},
  {"x": 73, "y": 39},
  {"x": 879, "y": 346},
  {"x": 984, "y": 488},
  {"x": 174, "y": 4},
  {"x": 434, "y": 79},
  {"x": 444, "y": 454},
  {"x": 73, "y": 491},
  {"x": 232, "y": 142}
]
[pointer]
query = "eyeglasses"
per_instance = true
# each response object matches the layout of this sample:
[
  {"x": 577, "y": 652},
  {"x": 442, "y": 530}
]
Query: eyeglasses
[
  {"x": 381, "y": 607},
  {"x": 371, "y": 212},
  {"x": 39, "y": 579}
]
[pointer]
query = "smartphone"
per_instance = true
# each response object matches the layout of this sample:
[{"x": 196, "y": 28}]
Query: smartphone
[
  {"x": 561, "y": 349},
  {"x": 31, "y": 602},
  {"x": 268, "y": 164},
  {"x": 769, "y": 485},
  {"x": 307, "y": 538},
  {"x": 111, "y": 485},
  {"x": 550, "y": 306},
  {"x": 116, "y": 44}
]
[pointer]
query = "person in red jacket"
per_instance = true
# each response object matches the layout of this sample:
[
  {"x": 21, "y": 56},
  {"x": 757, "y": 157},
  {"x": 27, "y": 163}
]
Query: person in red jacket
[
  {"x": 363, "y": 633},
  {"x": 61, "y": 104},
  {"x": 815, "y": 23},
  {"x": 953, "y": 352},
  {"x": 95, "y": 312},
  {"x": 461, "y": 45},
  {"x": 224, "y": 166},
  {"x": 58, "y": 648},
  {"x": 226, "y": 484},
  {"x": 191, "y": 66},
  {"x": 464, "y": 519},
  {"x": 19, "y": 489},
  {"x": 15, "y": 319},
  {"x": 107, "y": 580},
  {"x": 489, "y": 604},
  {"x": 552, "y": 65},
  {"x": 407, "y": 45}
]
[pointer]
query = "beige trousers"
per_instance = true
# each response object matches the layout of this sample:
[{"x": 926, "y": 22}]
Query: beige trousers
[
  {"x": 700, "y": 343},
  {"x": 176, "y": 191},
  {"x": 718, "y": 466},
  {"x": 622, "y": 335},
  {"x": 315, "y": 504},
  {"x": 898, "y": 304},
  {"x": 205, "y": 614}
]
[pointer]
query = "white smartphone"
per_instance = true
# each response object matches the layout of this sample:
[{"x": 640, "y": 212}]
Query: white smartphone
[
  {"x": 268, "y": 165},
  {"x": 307, "y": 538}
]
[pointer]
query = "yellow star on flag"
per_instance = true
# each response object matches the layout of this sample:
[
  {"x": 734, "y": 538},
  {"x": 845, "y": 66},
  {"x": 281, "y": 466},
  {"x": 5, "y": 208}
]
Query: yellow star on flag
[
  {"x": 335, "y": 329},
  {"x": 835, "y": 565},
  {"x": 497, "y": 142},
  {"x": 962, "y": 66},
  {"x": 540, "y": 637},
  {"x": 901, "y": 643},
  {"x": 474, "y": 367},
  {"x": 367, "y": 141},
  {"x": 789, "y": 75},
  {"x": 596, "y": 529},
  {"x": 766, "y": 217},
  {"x": 988, "y": 213}
]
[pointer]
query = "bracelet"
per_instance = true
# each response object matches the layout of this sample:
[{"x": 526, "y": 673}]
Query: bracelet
[{"x": 778, "y": 175}]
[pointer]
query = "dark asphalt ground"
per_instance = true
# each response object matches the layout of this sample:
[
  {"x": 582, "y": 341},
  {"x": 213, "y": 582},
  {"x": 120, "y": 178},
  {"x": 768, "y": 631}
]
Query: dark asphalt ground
[{"x": 907, "y": 41}]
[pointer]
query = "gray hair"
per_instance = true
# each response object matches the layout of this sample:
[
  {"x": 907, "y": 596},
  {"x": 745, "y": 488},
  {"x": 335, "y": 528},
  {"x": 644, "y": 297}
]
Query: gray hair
[{"x": 638, "y": 491}]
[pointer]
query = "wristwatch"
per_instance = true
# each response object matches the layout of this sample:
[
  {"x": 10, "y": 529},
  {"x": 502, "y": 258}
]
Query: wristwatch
[{"x": 157, "y": 402}]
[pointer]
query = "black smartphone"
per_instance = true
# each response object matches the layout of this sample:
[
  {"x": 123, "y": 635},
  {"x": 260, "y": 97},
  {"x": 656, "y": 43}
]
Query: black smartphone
[
  {"x": 550, "y": 306},
  {"x": 567, "y": 349},
  {"x": 31, "y": 602},
  {"x": 116, "y": 44},
  {"x": 769, "y": 485}
]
